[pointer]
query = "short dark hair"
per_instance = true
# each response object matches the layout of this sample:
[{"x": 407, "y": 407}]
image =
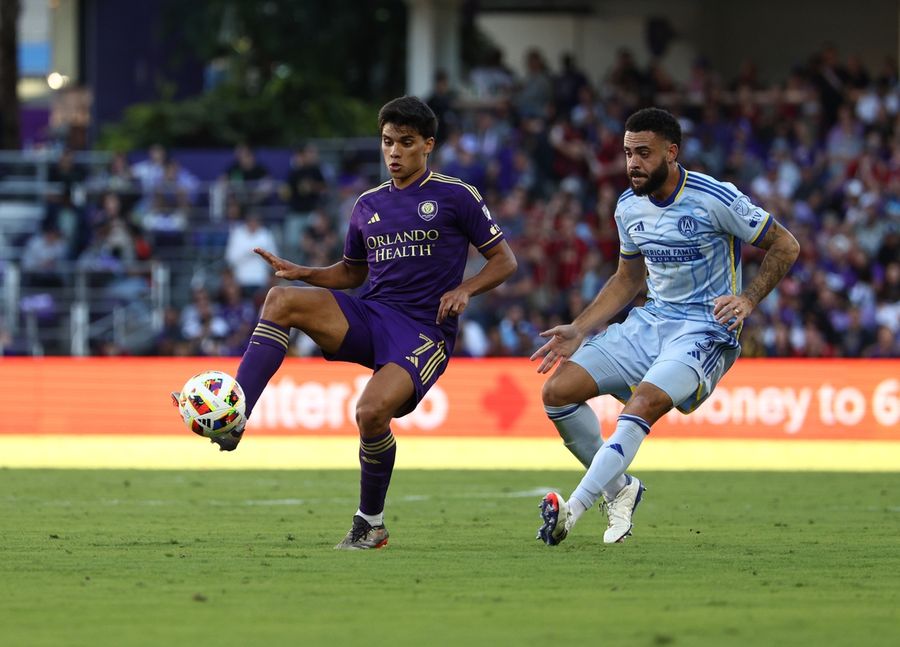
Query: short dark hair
[
  {"x": 411, "y": 112},
  {"x": 656, "y": 121}
]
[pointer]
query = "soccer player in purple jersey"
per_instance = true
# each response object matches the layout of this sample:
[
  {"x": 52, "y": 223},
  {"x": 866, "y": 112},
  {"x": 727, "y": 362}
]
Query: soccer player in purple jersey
[{"x": 410, "y": 237}]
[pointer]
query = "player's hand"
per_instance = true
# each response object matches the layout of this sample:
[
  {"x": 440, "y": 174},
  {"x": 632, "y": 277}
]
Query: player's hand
[
  {"x": 283, "y": 269},
  {"x": 564, "y": 340},
  {"x": 732, "y": 308},
  {"x": 452, "y": 304}
]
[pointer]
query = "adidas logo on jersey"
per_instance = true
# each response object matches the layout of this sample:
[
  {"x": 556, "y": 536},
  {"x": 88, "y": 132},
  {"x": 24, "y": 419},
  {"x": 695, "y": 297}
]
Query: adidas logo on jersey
[
  {"x": 639, "y": 226},
  {"x": 374, "y": 219}
]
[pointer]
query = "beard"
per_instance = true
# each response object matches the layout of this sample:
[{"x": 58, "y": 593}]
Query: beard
[{"x": 654, "y": 181}]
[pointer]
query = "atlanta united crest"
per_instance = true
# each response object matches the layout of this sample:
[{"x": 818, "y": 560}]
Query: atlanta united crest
[
  {"x": 687, "y": 226},
  {"x": 428, "y": 210}
]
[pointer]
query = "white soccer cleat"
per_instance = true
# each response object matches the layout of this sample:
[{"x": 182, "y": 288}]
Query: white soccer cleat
[
  {"x": 621, "y": 509},
  {"x": 555, "y": 515}
]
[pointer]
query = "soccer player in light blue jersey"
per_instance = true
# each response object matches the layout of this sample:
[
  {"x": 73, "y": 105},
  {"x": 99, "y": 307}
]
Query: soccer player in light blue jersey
[
  {"x": 408, "y": 240},
  {"x": 680, "y": 233}
]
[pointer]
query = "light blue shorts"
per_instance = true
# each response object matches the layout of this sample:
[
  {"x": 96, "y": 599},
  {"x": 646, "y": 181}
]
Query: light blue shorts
[{"x": 644, "y": 347}]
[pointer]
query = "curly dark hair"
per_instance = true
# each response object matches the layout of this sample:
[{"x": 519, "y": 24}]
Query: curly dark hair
[
  {"x": 411, "y": 112},
  {"x": 655, "y": 120}
]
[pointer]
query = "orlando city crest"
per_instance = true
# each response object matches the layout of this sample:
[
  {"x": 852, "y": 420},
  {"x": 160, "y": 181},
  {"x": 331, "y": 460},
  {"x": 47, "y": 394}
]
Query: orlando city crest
[{"x": 428, "y": 210}]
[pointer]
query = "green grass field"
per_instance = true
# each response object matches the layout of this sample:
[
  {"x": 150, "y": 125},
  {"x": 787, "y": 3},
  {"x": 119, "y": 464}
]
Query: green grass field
[{"x": 245, "y": 558}]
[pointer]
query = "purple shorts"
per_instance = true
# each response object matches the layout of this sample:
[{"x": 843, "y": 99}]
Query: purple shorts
[{"x": 381, "y": 334}]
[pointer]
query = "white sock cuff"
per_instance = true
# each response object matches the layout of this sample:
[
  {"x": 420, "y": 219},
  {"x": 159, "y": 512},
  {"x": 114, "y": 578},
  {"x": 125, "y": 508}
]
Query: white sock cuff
[
  {"x": 558, "y": 413},
  {"x": 373, "y": 519},
  {"x": 637, "y": 420},
  {"x": 577, "y": 506}
]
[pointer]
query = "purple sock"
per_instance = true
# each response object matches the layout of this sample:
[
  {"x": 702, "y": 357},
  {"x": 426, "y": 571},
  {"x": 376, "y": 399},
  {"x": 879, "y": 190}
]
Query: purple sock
[
  {"x": 376, "y": 462},
  {"x": 264, "y": 354}
]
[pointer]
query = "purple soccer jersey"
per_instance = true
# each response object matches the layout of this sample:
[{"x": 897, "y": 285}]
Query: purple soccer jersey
[{"x": 416, "y": 240}]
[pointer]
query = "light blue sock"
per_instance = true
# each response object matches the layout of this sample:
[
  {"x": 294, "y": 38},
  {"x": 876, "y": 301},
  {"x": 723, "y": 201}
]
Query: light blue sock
[
  {"x": 579, "y": 428},
  {"x": 606, "y": 475}
]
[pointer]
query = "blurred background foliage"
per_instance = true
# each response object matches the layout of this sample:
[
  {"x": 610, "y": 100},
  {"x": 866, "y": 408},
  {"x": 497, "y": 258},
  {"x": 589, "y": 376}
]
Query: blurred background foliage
[{"x": 275, "y": 72}]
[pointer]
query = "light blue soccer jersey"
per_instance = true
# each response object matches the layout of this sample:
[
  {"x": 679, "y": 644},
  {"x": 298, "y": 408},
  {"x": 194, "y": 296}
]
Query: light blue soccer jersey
[{"x": 691, "y": 243}]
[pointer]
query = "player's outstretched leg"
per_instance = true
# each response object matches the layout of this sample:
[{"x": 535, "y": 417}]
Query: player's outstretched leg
[
  {"x": 621, "y": 510},
  {"x": 554, "y": 514},
  {"x": 264, "y": 355}
]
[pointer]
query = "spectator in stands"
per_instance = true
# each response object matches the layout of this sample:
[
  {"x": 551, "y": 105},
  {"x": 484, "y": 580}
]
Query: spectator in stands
[
  {"x": 44, "y": 257},
  {"x": 112, "y": 245},
  {"x": 492, "y": 135},
  {"x": 472, "y": 341},
  {"x": 304, "y": 191},
  {"x": 11, "y": 345},
  {"x": 178, "y": 184},
  {"x": 171, "y": 340},
  {"x": 885, "y": 346},
  {"x": 887, "y": 293},
  {"x": 150, "y": 172},
  {"x": 467, "y": 165},
  {"x": 164, "y": 221},
  {"x": 830, "y": 78},
  {"x": 203, "y": 326},
  {"x": 492, "y": 79},
  {"x": 856, "y": 337},
  {"x": 625, "y": 77},
  {"x": 116, "y": 245},
  {"x": 568, "y": 84},
  {"x": 117, "y": 178},
  {"x": 247, "y": 178},
  {"x": 536, "y": 90},
  {"x": 70, "y": 177},
  {"x": 844, "y": 143},
  {"x": 568, "y": 250},
  {"x": 238, "y": 313},
  {"x": 250, "y": 270},
  {"x": 442, "y": 101},
  {"x": 572, "y": 152},
  {"x": 517, "y": 334},
  {"x": 320, "y": 241}
]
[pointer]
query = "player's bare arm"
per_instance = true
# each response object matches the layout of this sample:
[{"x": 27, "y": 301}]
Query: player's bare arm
[
  {"x": 782, "y": 250},
  {"x": 501, "y": 264},
  {"x": 618, "y": 292},
  {"x": 339, "y": 276}
]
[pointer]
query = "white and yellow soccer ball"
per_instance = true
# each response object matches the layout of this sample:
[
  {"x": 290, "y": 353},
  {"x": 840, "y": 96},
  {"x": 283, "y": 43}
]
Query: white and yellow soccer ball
[{"x": 212, "y": 404}]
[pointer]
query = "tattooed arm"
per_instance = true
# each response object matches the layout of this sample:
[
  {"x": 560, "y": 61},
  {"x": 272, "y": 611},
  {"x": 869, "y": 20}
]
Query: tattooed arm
[{"x": 782, "y": 250}]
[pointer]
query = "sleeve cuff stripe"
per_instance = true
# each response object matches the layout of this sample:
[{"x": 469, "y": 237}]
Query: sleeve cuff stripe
[
  {"x": 490, "y": 241},
  {"x": 763, "y": 230}
]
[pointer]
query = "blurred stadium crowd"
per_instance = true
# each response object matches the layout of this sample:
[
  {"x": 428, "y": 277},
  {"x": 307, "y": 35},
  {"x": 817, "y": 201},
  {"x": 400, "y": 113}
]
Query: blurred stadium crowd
[{"x": 820, "y": 151}]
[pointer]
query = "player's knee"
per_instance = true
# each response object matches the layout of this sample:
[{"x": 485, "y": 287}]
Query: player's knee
[
  {"x": 649, "y": 404},
  {"x": 277, "y": 304},
  {"x": 554, "y": 394},
  {"x": 371, "y": 419}
]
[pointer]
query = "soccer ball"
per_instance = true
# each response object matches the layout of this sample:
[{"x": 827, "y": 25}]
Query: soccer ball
[{"x": 212, "y": 404}]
